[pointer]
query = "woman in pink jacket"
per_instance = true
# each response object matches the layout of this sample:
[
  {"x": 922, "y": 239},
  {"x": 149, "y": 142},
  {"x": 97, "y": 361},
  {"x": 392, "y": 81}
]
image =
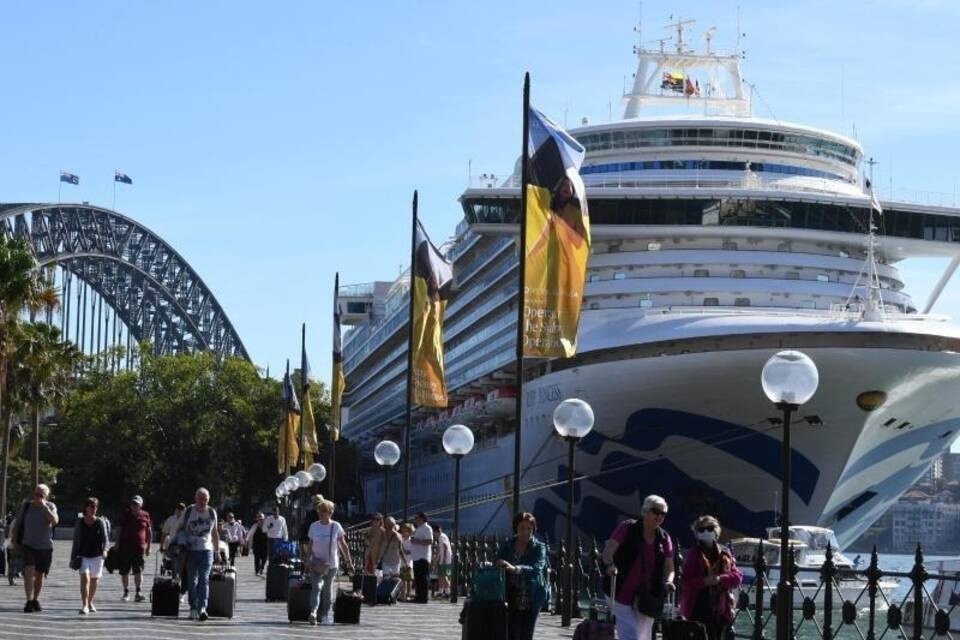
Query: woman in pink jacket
[{"x": 710, "y": 577}]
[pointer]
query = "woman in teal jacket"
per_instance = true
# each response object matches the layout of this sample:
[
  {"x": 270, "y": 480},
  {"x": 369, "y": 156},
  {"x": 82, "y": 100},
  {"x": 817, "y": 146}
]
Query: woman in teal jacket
[{"x": 524, "y": 559}]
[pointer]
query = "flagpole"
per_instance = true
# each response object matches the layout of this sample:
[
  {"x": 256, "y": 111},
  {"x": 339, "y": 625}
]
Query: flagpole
[
  {"x": 406, "y": 433},
  {"x": 286, "y": 440},
  {"x": 332, "y": 462},
  {"x": 301, "y": 457},
  {"x": 521, "y": 297},
  {"x": 114, "y": 190}
]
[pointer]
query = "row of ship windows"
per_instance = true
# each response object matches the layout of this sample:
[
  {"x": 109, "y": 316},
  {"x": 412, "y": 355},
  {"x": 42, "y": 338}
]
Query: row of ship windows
[
  {"x": 705, "y": 273},
  {"x": 710, "y": 301},
  {"x": 728, "y": 245},
  {"x": 714, "y": 301},
  {"x": 716, "y": 165},
  {"x": 753, "y": 139}
]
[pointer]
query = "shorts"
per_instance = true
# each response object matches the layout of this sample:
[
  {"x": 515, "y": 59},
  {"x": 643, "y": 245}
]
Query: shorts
[
  {"x": 93, "y": 567},
  {"x": 39, "y": 559},
  {"x": 444, "y": 570},
  {"x": 130, "y": 560}
]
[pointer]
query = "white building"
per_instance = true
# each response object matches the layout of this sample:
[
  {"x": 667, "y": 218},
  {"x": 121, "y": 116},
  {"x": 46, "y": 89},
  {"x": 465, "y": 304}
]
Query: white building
[{"x": 933, "y": 525}]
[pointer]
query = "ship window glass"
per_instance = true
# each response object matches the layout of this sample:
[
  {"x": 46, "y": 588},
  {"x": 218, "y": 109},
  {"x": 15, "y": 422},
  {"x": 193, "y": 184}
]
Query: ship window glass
[
  {"x": 738, "y": 273},
  {"x": 701, "y": 273},
  {"x": 792, "y": 275},
  {"x": 822, "y": 277},
  {"x": 653, "y": 246},
  {"x": 808, "y": 304},
  {"x": 783, "y": 247},
  {"x": 711, "y": 302},
  {"x": 356, "y": 307},
  {"x": 741, "y": 302},
  {"x": 646, "y": 303},
  {"x": 619, "y": 275},
  {"x": 594, "y": 277},
  {"x": 729, "y": 246},
  {"x": 594, "y": 305}
]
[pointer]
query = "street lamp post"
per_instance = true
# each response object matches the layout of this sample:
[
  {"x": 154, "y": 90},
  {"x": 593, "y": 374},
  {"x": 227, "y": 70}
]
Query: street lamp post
[
  {"x": 386, "y": 454},
  {"x": 789, "y": 379},
  {"x": 572, "y": 420},
  {"x": 458, "y": 442}
]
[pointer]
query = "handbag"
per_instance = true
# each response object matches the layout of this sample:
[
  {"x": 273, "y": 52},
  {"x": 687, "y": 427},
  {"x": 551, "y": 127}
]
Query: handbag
[
  {"x": 75, "y": 563},
  {"x": 110, "y": 562}
]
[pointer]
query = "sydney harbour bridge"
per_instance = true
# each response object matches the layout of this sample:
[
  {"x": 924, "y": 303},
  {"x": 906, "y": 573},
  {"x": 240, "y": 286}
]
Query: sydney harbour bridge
[{"x": 120, "y": 283}]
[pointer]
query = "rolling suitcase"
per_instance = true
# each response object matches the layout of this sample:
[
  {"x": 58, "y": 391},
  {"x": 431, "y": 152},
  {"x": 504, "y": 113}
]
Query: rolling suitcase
[
  {"x": 485, "y": 620},
  {"x": 594, "y": 628},
  {"x": 165, "y": 594},
  {"x": 278, "y": 579},
  {"x": 346, "y": 608},
  {"x": 369, "y": 589},
  {"x": 298, "y": 601},
  {"x": 389, "y": 590},
  {"x": 222, "y": 598}
]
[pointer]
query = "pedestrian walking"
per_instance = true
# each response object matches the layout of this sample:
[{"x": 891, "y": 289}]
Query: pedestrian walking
[
  {"x": 406, "y": 568},
  {"x": 133, "y": 546},
  {"x": 200, "y": 525},
  {"x": 371, "y": 543},
  {"x": 421, "y": 540},
  {"x": 640, "y": 553},
  {"x": 392, "y": 555},
  {"x": 444, "y": 562},
  {"x": 233, "y": 533},
  {"x": 327, "y": 542},
  {"x": 91, "y": 537},
  {"x": 170, "y": 526},
  {"x": 33, "y": 536},
  {"x": 257, "y": 543},
  {"x": 524, "y": 558},
  {"x": 276, "y": 527},
  {"x": 710, "y": 578}
]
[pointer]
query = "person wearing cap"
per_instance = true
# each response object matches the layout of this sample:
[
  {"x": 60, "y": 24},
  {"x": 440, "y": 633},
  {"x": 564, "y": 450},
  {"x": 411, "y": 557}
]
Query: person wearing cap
[
  {"x": 133, "y": 545},
  {"x": 170, "y": 525},
  {"x": 710, "y": 578}
]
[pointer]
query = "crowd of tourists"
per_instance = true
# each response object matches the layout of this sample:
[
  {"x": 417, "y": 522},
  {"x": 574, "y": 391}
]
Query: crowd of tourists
[{"x": 638, "y": 558}]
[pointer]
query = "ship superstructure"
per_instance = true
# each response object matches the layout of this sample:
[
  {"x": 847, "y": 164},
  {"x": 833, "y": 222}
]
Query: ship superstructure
[{"x": 719, "y": 238}]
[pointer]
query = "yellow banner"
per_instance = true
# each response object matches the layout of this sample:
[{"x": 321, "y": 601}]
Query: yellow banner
[
  {"x": 556, "y": 253},
  {"x": 336, "y": 397},
  {"x": 309, "y": 427},
  {"x": 288, "y": 450},
  {"x": 429, "y": 389}
]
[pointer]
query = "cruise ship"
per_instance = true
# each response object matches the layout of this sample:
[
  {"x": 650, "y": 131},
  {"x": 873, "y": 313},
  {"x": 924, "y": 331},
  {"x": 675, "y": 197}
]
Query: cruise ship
[{"x": 719, "y": 238}]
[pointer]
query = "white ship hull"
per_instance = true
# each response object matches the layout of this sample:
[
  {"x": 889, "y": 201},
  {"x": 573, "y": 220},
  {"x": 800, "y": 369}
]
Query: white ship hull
[{"x": 689, "y": 421}]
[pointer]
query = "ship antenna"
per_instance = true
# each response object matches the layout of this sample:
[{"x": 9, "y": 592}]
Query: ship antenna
[
  {"x": 874, "y": 308},
  {"x": 678, "y": 25}
]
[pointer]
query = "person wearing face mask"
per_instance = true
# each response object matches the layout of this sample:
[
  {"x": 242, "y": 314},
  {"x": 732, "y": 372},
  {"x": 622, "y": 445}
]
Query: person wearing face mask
[{"x": 710, "y": 576}]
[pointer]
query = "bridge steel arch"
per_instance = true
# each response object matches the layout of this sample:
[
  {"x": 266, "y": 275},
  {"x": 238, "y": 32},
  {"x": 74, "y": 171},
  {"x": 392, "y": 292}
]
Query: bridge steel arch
[{"x": 151, "y": 288}]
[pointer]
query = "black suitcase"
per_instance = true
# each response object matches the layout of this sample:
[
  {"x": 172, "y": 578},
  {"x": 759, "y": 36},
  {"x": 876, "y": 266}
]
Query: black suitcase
[
  {"x": 165, "y": 597},
  {"x": 389, "y": 591},
  {"x": 298, "y": 601},
  {"x": 357, "y": 580},
  {"x": 346, "y": 608},
  {"x": 278, "y": 581},
  {"x": 485, "y": 621},
  {"x": 679, "y": 629},
  {"x": 222, "y": 598},
  {"x": 369, "y": 589}
]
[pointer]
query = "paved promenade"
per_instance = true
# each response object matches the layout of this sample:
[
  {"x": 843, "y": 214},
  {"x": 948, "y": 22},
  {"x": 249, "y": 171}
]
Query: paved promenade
[{"x": 254, "y": 618}]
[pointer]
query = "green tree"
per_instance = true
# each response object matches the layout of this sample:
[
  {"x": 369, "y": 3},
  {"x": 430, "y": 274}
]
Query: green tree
[{"x": 21, "y": 288}]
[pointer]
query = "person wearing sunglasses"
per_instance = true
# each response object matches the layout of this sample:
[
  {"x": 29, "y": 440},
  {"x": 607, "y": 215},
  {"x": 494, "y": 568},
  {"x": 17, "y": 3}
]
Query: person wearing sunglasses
[
  {"x": 640, "y": 553},
  {"x": 710, "y": 577}
]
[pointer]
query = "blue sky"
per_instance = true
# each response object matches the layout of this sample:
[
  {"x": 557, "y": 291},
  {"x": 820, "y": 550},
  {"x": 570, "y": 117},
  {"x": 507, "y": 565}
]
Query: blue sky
[{"x": 274, "y": 143}]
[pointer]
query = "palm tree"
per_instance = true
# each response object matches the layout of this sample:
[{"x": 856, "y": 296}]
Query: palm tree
[
  {"x": 21, "y": 288},
  {"x": 47, "y": 365}
]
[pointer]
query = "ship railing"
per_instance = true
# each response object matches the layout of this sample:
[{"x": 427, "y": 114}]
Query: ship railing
[{"x": 836, "y": 312}]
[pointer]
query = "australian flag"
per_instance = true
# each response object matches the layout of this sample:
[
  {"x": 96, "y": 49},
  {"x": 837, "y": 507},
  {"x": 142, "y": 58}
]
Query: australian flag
[
  {"x": 119, "y": 176},
  {"x": 69, "y": 178}
]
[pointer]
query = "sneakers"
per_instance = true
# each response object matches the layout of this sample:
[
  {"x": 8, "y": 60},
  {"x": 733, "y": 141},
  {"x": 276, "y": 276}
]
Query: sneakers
[
  {"x": 312, "y": 619},
  {"x": 202, "y": 616},
  {"x": 84, "y": 610},
  {"x": 183, "y": 598},
  {"x": 36, "y": 606},
  {"x": 139, "y": 597},
  {"x": 193, "y": 614},
  {"x": 126, "y": 596},
  {"x": 327, "y": 621},
  {"x": 91, "y": 608},
  {"x": 28, "y": 608}
]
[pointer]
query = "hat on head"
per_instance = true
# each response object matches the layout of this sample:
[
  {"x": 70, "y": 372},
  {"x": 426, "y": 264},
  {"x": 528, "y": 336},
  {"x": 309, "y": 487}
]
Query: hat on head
[{"x": 137, "y": 499}]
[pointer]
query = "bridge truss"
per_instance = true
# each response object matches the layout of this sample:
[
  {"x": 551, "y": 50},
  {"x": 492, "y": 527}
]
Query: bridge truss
[{"x": 99, "y": 258}]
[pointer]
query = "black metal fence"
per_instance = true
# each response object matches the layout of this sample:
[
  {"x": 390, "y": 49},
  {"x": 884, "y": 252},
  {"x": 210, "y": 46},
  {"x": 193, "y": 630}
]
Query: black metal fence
[{"x": 831, "y": 602}]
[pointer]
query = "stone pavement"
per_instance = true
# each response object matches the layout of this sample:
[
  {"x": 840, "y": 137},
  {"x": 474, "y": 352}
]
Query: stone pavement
[{"x": 254, "y": 618}]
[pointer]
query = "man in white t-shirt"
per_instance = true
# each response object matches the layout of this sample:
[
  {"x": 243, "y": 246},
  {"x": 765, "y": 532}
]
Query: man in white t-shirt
[
  {"x": 327, "y": 542},
  {"x": 275, "y": 525},
  {"x": 420, "y": 553}
]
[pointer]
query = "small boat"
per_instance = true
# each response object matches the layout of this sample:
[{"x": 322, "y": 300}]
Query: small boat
[
  {"x": 941, "y": 613},
  {"x": 810, "y": 548}
]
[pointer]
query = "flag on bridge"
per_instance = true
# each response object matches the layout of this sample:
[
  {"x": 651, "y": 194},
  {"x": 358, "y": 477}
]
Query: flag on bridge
[
  {"x": 308, "y": 426},
  {"x": 69, "y": 178},
  {"x": 432, "y": 278},
  {"x": 557, "y": 232},
  {"x": 119, "y": 176},
  {"x": 339, "y": 384},
  {"x": 288, "y": 451}
]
